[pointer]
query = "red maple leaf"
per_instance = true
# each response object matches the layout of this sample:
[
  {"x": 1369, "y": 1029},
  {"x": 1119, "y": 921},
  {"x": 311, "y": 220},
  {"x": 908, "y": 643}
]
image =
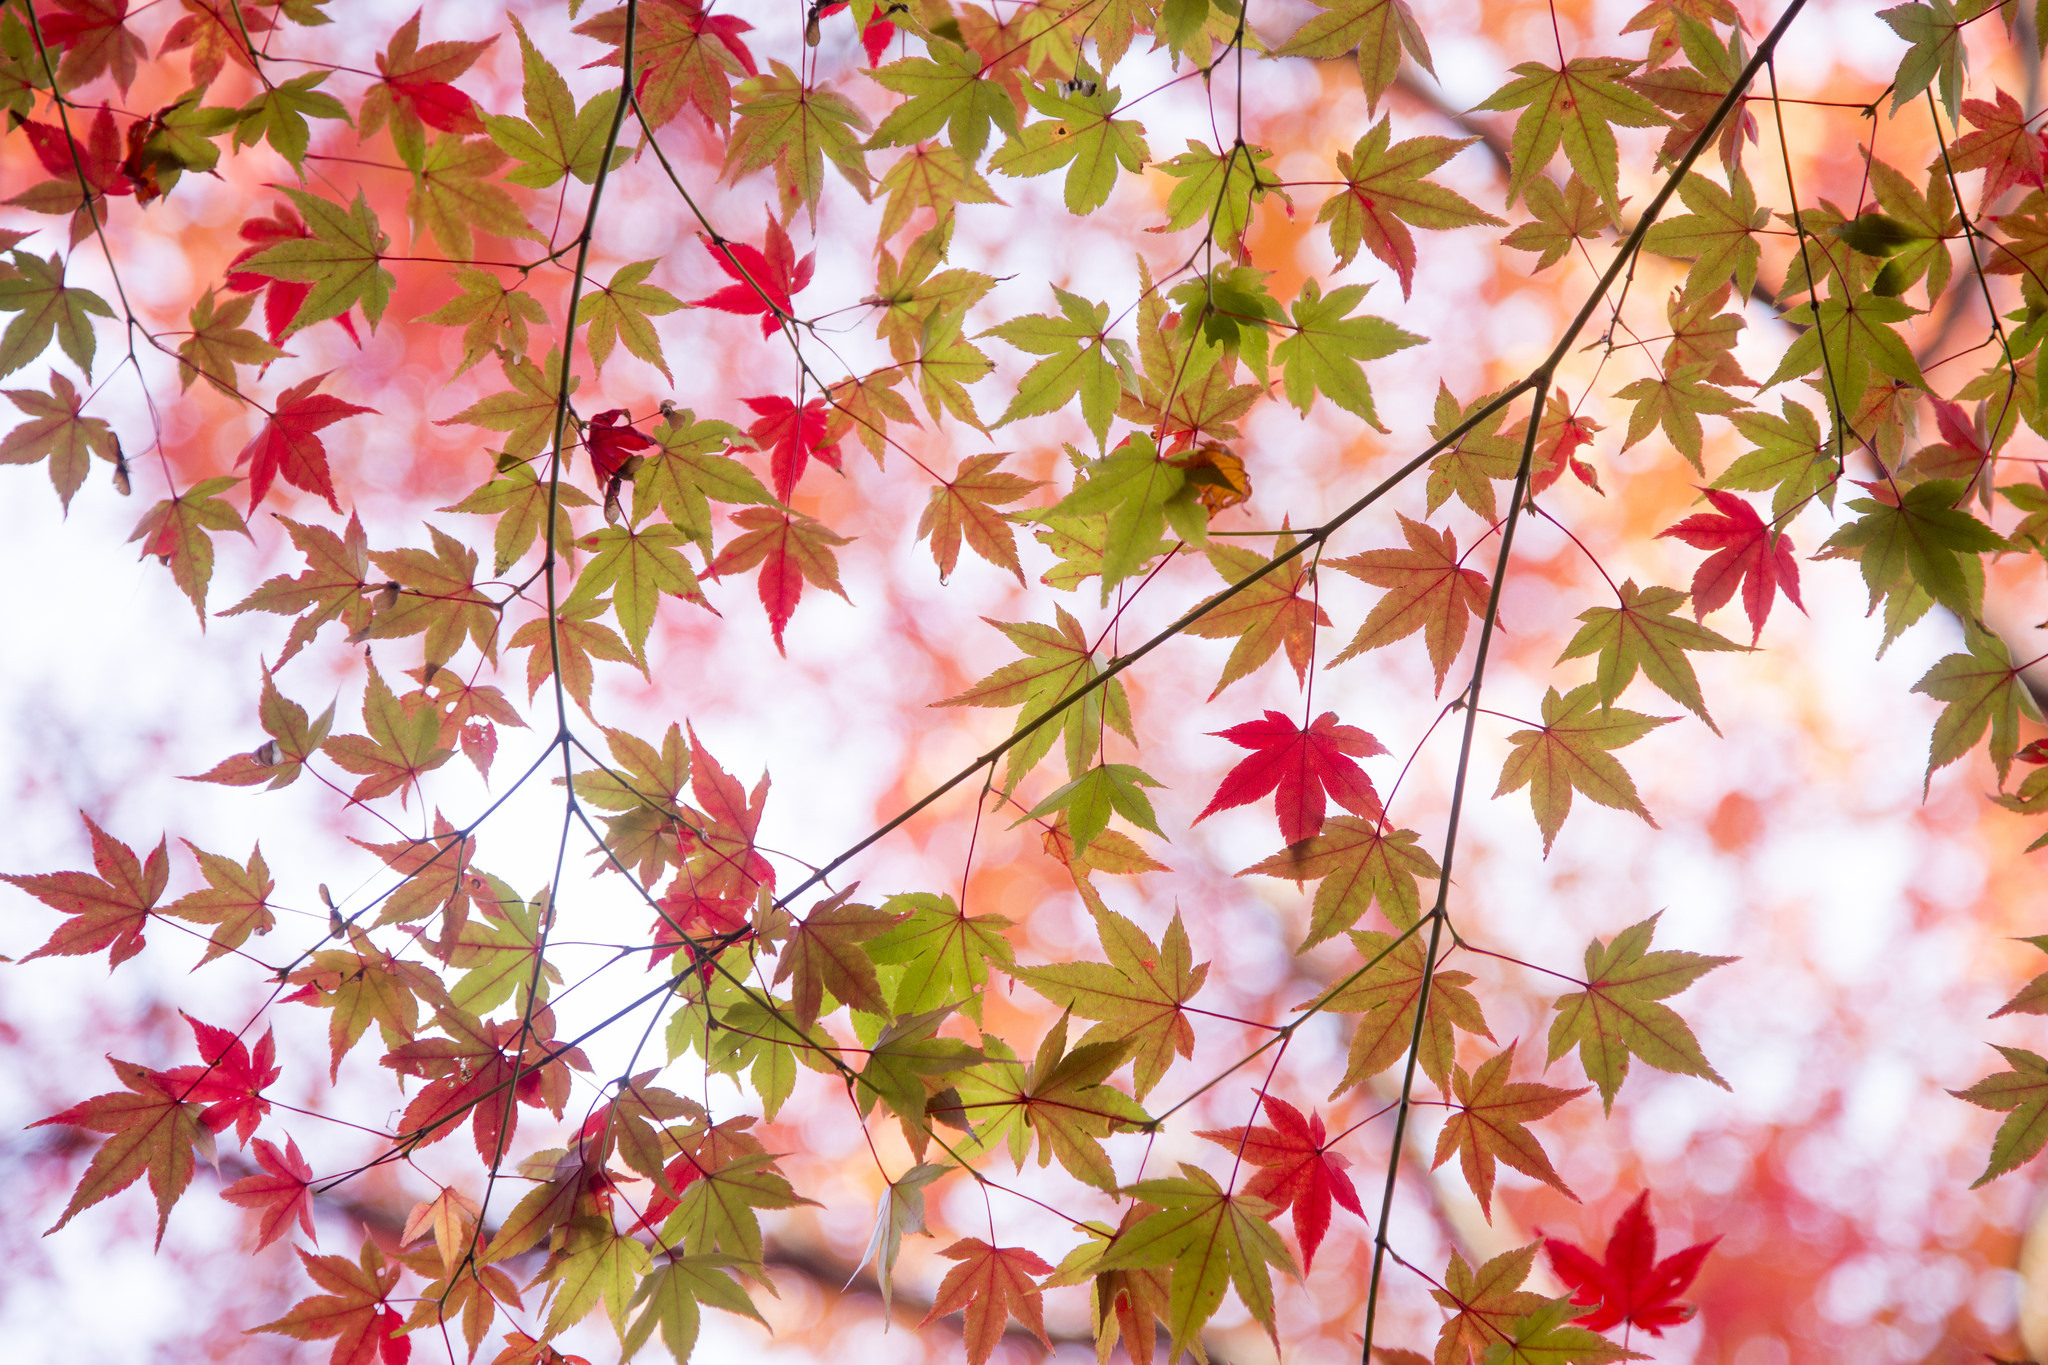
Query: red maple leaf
[
  {"x": 1296, "y": 1170},
  {"x": 287, "y": 445},
  {"x": 231, "y": 1080},
  {"x": 765, "y": 279},
  {"x": 1300, "y": 765},
  {"x": 1630, "y": 1283},
  {"x": 109, "y": 910},
  {"x": 416, "y": 78},
  {"x": 875, "y": 38},
  {"x": 1555, "y": 453},
  {"x": 2006, "y": 149},
  {"x": 97, "y": 160},
  {"x": 611, "y": 445},
  {"x": 283, "y": 1193},
  {"x": 1746, "y": 552},
  {"x": 793, "y": 437},
  {"x": 281, "y": 304}
]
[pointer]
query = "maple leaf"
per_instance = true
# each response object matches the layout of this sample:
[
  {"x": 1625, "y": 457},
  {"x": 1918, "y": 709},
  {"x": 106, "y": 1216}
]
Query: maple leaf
[
  {"x": 1212, "y": 1239},
  {"x": 1359, "y": 863},
  {"x": 279, "y": 760},
  {"x": 1385, "y": 990},
  {"x": 476, "y": 1070},
  {"x": 231, "y": 1081},
  {"x": 219, "y": 342},
  {"x": 1080, "y": 133},
  {"x": 824, "y": 954},
  {"x": 1219, "y": 190},
  {"x": 948, "y": 89},
  {"x": 936, "y": 955},
  {"x": 281, "y": 298},
  {"x": 282, "y": 1195},
  {"x": 1645, "y": 632},
  {"x": 356, "y": 1313},
  {"x": 2002, "y": 146},
  {"x": 236, "y": 898},
  {"x": 151, "y": 1129},
  {"x": 363, "y": 984},
  {"x": 1747, "y": 551},
  {"x": 556, "y": 138},
  {"x": 1087, "y": 801},
  {"x": 2021, "y": 1093},
  {"x": 501, "y": 953},
  {"x": 1847, "y": 336},
  {"x": 990, "y": 1283},
  {"x": 414, "y": 92},
  {"x": 1327, "y": 352},
  {"x": 404, "y": 742},
  {"x": 1299, "y": 766},
  {"x": 46, "y": 309},
  {"x": 791, "y": 549},
  {"x": 793, "y": 436},
  {"x": 1935, "y": 30},
  {"x": 1617, "y": 1013},
  {"x": 455, "y": 195},
  {"x": 793, "y": 126},
  {"x": 927, "y": 176},
  {"x": 1675, "y": 400},
  {"x": 1079, "y": 358},
  {"x": 966, "y": 505},
  {"x": 58, "y": 428},
  {"x": 95, "y": 39},
  {"x": 1063, "y": 1099},
  {"x": 492, "y": 317},
  {"x": 581, "y": 638},
  {"x": 636, "y": 565},
  {"x": 1377, "y": 29},
  {"x": 1297, "y": 1170},
  {"x": 1140, "y": 493},
  {"x": 340, "y": 258},
  {"x": 109, "y": 910},
  {"x": 671, "y": 1293},
  {"x": 1628, "y": 1283},
  {"x": 1136, "y": 995},
  {"x": 526, "y": 412},
  {"x": 766, "y": 278},
  {"x": 1563, "y": 216},
  {"x": 1429, "y": 590},
  {"x": 1270, "y": 613},
  {"x": 1576, "y": 104},
  {"x": 1385, "y": 189},
  {"x": 440, "y": 600},
  {"x": 1570, "y": 752},
  {"x": 1718, "y": 236},
  {"x": 1548, "y": 1336},
  {"x": 1792, "y": 459},
  {"x": 1923, "y": 536},
  {"x": 330, "y": 589},
  {"x": 288, "y": 447},
  {"x": 1981, "y": 689},
  {"x": 519, "y": 500},
  {"x": 1058, "y": 663},
  {"x": 1489, "y": 1121},
  {"x": 689, "y": 58},
  {"x": 1483, "y": 1304}
]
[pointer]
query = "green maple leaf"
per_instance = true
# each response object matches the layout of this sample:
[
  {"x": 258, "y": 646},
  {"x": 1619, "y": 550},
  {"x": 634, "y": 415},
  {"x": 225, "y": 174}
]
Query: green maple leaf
[
  {"x": 236, "y": 899},
  {"x": 1328, "y": 349},
  {"x": 1080, "y": 358},
  {"x": 1570, "y": 753},
  {"x": 669, "y": 1299},
  {"x": 906, "y": 1064},
  {"x": 1140, "y": 493},
  {"x": 1929, "y": 217},
  {"x": 1935, "y": 30},
  {"x": 1674, "y": 400},
  {"x": 1385, "y": 993},
  {"x": 1359, "y": 865},
  {"x": 619, "y": 311},
  {"x": 1136, "y": 995},
  {"x": 1376, "y": 29},
  {"x": 636, "y": 565},
  {"x": 342, "y": 260},
  {"x": 1218, "y": 190},
  {"x": 1482, "y": 457},
  {"x": 935, "y": 955},
  {"x": 1489, "y": 1122},
  {"x": 1847, "y": 337},
  {"x": 1792, "y": 459},
  {"x": 687, "y": 470},
  {"x": 915, "y": 301},
  {"x": 1079, "y": 133},
  {"x": 454, "y": 196},
  {"x": 2020, "y": 1093},
  {"x": 219, "y": 342},
  {"x": 1429, "y": 590},
  {"x": 1063, "y": 1099},
  {"x": 555, "y": 138},
  {"x": 58, "y": 428},
  {"x": 950, "y": 89},
  {"x": 1212, "y": 1239},
  {"x": 793, "y": 127},
  {"x": 1236, "y": 312},
  {"x": 1386, "y": 189},
  {"x": 492, "y": 317},
  {"x": 151, "y": 1131},
  {"x": 946, "y": 363},
  {"x": 719, "y": 1211},
  {"x": 1718, "y": 236},
  {"x": 1270, "y": 613},
  {"x": 932, "y": 177},
  {"x": 46, "y": 308},
  {"x": 519, "y": 500},
  {"x": 1484, "y": 1303},
  {"x": 1646, "y": 632},
  {"x": 1563, "y": 216},
  {"x": 594, "y": 1262},
  {"x": 824, "y": 953},
  {"x": 1089, "y": 799},
  {"x": 1922, "y": 537},
  {"x": 177, "y": 531},
  {"x": 1546, "y": 1336},
  {"x": 1057, "y": 663},
  {"x": 1981, "y": 690},
  {"x": 1577, "y": 105},
  {"x": 279, "y": 114},
  {"x": 526, "y": 411},
  {"x": 1618, "y": 1013},
  {"x": 498, "y": 954}
]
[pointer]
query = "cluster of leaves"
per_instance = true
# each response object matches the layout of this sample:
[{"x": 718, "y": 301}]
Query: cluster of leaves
[{"x": 652, "y": 1205}]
